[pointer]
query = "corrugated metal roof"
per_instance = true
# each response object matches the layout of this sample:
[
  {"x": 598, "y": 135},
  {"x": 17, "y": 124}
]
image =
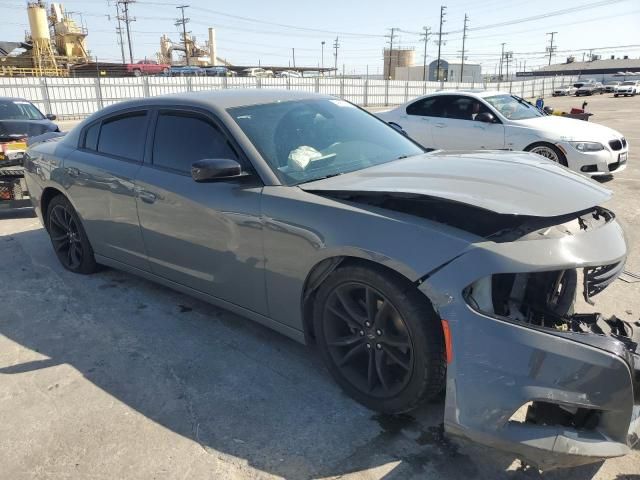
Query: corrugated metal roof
[{"x": 622, "y": 64}]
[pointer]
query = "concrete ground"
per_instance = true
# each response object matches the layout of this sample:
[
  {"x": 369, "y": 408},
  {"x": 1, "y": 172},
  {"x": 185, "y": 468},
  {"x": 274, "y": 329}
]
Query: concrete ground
[{"x": 110, "y": 376}]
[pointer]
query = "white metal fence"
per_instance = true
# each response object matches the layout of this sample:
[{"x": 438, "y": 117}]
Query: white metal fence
[{"x": 74, "y": 98}]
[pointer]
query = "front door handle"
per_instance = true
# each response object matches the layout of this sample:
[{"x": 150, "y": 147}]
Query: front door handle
[
  {"x": 147, "y": 197},
  {"x": 440, "y": 125}
]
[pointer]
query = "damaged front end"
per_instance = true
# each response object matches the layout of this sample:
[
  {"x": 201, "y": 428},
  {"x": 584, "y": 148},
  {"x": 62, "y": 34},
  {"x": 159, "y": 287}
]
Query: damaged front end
[{"x": 533, "y": 370}]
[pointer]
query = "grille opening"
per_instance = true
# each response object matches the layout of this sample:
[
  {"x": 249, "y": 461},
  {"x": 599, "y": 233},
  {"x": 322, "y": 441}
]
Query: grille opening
[
  {"x": 589, "y": 168},
  {"x": 615, "y": 144},
  {"x": 556, "y": 415},
  {"x": 547, "y": 300}
]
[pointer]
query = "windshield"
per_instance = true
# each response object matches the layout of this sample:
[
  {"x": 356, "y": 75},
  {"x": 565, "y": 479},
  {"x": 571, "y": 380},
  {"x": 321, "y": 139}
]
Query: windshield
[
  {"x": 513, "y": 108},
  {"x": 628, "y": 83},
  {"x": 307, "y": 140},
  {"x": 19, "y": 110}
]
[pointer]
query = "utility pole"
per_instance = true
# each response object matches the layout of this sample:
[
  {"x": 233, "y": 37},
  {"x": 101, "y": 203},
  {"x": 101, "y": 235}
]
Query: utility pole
[
  {"x": 508, "y": 56},
  {"x": 293, "y": 53},
  {"x": 425, "y": 35},
  {"x": 322, "y": 43},
  {"x": 127, "y": 20},
  {"x": 393, "y": 31},
  {"x": 336, "y": 46},
  {"x": 464, "y": 37},
  {"x": 119, "y": 31},
  {"x": 501, "y": 60},
  {"x": 551, "y": 48},
  {"x": 183, "y": 21},
  {"x": 442, "y": 14}
]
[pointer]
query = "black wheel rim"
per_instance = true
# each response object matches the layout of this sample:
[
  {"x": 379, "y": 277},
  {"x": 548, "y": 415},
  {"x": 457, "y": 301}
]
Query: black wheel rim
[
  {"x": 65, "y": 237},
  {"x": 368, "y": 340}
]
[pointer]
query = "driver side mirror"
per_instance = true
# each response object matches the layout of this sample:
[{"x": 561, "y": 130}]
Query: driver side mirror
[
  {"x": 211, "y": 169},
  {"x": 486, "y": 117},
  {"x": 50, "y": 116}
]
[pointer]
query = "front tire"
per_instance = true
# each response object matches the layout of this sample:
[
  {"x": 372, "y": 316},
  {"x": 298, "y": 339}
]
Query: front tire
[
  {"x": 548, "y": 151},
  {"x": 380, "y": 339},
  {"x": 69, "y": 240}
]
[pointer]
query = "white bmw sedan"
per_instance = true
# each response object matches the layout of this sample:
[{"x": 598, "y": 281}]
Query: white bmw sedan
[{"x": 489, "y": 120}]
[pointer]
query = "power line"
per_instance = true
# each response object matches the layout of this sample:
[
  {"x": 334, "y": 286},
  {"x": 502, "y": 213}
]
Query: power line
[
  {"x": 266, "y": 22},
  {"x": 555, "y": 13}
]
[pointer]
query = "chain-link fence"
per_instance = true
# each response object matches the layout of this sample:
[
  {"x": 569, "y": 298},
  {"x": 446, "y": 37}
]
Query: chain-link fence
[{"x": 76, "y": 98}]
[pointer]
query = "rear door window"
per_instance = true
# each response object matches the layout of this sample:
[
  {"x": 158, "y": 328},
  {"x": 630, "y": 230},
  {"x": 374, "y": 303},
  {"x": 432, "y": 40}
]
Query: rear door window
[
  {"x": 124, "y": 136},
  {"x": 182, "y": 138},
  {"x": 426, "y": 107}
]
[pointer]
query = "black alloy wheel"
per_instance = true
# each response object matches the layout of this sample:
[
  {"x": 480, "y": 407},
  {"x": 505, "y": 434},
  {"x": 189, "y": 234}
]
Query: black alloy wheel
[
  {"x": 379, "y": 337},
  {"x": 368, "y": 340},
  {"x": 68, "y": 238}
]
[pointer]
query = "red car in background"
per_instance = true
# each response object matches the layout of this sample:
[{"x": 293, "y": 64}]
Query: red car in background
[{"x": 147, "y": 67}]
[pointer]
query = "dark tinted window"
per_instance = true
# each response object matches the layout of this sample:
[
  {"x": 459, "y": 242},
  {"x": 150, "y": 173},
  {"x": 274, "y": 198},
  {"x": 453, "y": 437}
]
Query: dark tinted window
[
  {"x": 91, "y": 137},
  {"x": 182, "y": 139},
  {"x": 427, "y": 107},
  {"x": 462, "y": 107},
  {"x": 124, "y": 136}
]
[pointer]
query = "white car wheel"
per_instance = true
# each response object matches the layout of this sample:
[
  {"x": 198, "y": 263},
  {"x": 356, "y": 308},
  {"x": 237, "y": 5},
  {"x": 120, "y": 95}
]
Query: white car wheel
[{"x": 549, "y": 152}]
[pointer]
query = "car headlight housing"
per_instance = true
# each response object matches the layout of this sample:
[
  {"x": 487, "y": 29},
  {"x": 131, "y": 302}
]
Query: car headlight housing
[{"x": 587, "y": 146}]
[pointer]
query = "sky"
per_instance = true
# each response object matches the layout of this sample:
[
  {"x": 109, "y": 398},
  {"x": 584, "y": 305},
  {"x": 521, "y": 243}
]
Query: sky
[{"x": 260, "y": 31}]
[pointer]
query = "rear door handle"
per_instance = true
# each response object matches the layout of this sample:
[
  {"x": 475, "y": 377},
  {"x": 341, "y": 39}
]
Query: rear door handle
[
  {"x": 440, "y": 125},
  {"x": 147, "y": 197}
]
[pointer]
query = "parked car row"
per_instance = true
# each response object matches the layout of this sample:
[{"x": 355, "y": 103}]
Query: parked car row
[
  {"x": 413, "y": 272},
  {"x": 591, "y": 87}
]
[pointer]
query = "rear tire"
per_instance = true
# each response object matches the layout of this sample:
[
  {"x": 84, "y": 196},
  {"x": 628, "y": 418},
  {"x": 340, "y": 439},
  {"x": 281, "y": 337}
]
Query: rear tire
[
  {"x": 68, "y": 238},
  {"x": 379, "y": 338}
]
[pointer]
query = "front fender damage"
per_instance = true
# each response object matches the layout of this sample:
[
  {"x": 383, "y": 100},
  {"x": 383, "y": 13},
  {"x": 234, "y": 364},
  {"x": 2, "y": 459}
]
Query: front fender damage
[{"x": 527, "y": 374}]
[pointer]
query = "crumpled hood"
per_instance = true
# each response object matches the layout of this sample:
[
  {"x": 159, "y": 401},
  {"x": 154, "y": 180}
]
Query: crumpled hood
[
  {"x": 570, "y": 129},
  {"x": 12, "y": 129},
  {"x": 516, "y": 183}
]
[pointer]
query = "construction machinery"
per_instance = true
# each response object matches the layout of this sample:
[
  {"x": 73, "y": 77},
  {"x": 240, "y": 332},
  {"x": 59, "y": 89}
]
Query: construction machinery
[{"x": 54, "y": 42}]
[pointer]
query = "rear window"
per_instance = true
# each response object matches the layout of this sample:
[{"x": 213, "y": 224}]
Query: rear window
[{"x": 124, "y": 136}]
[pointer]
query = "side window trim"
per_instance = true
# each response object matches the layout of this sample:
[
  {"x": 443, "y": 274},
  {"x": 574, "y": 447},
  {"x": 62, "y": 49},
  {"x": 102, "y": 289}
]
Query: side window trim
[
  {"x": 83, "y": 136},
  {"x": 184, "y": 110},
  {"x": 112, "y": 116}
]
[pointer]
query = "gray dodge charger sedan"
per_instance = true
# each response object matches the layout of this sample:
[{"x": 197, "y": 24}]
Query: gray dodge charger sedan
[{"x": 413, "y": 272}]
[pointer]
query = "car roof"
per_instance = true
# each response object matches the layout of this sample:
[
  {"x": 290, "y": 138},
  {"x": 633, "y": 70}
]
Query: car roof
[
  {"x": 216, "y": 101},
  {"x": 14, "y": 99},
  {"x": 478, "y": 93}
]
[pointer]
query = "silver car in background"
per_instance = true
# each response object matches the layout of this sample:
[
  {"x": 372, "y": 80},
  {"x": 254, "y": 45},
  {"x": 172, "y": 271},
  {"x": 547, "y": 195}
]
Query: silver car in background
[{"x": 412, "y": 272}]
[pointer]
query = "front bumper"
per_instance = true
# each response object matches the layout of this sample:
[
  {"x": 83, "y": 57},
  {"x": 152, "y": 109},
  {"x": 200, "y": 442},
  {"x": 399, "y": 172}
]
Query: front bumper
[
  {"x": 604, "y": 162},
  {"x": 498, "y": 366}
]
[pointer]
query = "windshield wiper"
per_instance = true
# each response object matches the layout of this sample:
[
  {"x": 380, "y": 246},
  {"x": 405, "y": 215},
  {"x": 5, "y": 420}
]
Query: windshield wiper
[{"x": 321, "y": 178}]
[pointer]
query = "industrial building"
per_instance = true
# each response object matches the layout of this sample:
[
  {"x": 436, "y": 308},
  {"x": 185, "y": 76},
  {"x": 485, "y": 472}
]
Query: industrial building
[
  {"x": 449, "y": 72},
  {"x": 54, "y": 41},
  {"x": 397, "y": 58},
  {"x": 598, "y": 68}
]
